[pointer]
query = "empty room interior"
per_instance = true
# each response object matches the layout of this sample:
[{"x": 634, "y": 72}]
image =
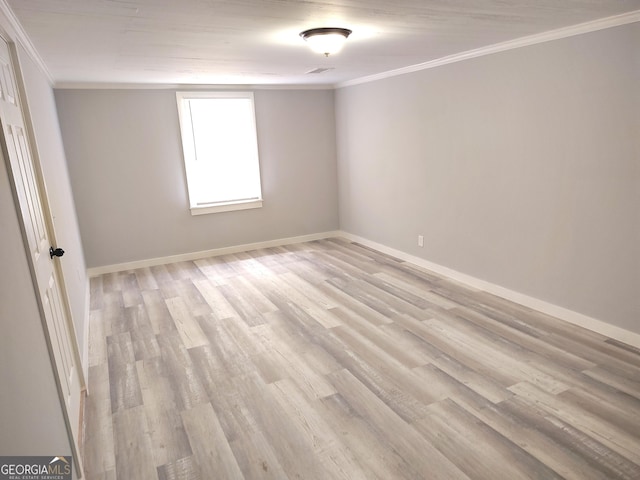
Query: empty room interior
[{"x": 280, "y": 239}]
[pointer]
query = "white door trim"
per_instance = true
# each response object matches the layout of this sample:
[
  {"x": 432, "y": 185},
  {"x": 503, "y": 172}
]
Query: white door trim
[{"x": 33, "y": 209}]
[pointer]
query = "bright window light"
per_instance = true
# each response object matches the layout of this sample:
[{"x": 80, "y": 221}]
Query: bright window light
[{"x": 220, "y": 150}]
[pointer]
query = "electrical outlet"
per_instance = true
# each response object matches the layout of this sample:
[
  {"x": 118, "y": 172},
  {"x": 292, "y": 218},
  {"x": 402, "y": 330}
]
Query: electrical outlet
[{"x": 420, "y": 241}]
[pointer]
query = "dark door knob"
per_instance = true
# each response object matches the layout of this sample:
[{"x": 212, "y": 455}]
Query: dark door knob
[{"x": 56, "y": 252}]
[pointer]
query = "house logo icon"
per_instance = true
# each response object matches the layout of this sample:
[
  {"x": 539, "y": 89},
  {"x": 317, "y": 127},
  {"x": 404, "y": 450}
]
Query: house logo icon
[{"x": 59, "y": 468}]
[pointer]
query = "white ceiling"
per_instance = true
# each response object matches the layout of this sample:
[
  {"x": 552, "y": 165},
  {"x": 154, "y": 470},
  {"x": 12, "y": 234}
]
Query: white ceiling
[{"x": 257, "y": 41}]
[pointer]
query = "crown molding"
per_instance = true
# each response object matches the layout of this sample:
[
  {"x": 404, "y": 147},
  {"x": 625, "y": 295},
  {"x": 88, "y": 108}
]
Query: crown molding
[
  {"x": 564, "y": 32},
  {"x": 21, "y": 37},
  {"x": 185, "y": 86}
]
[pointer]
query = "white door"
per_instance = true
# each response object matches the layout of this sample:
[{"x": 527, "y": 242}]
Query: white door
[{"x": 61, "y": 339}]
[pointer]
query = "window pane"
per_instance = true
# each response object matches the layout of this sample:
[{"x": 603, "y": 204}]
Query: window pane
[{"x": 221, "y": 149}]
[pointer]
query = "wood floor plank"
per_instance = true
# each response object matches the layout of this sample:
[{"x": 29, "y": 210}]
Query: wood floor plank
[
  {"x": 185, "y": 468},
  {"x": 210, "y": 447},
  {"x": 439, "y": 339},
  {"x": 284, "y": 288},
  {"x": 161, "y": 275},
  {"x": 166, "y": 431},
  {"x": 311, "y": 272},
  {"x": 220, "y": 307},
  {"x": 218, "y": 269},
  {"x": 226, "y": 346},
  {"x": 285, "y": 438},
  {"x": 476, "y": 382},
  {"x": 114, "y": 320},
  {"x": 613, "y": 437},
  {"x": 111, "y": 282},
  {"x": 123, "y": 378},
  {"x": 186, "y": 324},
  {"x": 96, "y": 293},
  {"x": 97, "y": 339},
  {"x": 110, "y": 475},
  {"x": 500, "y": 353},
  {"x": 254, "y": 454},
  {"x": 276, "y": 259},
  {"x": 625, "y": 417},
  {"x": 418, "y": 288},
  {"x": 618, "y": 380},
  {"x": 143, "y": 339},
  {"x": 593, "y": 454},
  {"x": 145, "y": 278},
  {"x": 314, "y": 384},
  {"x": 328, "y": 359},
  {"x": 246, "y": 307},
  {"x": 450, "y": 428},
  {"x": 606, "y": 394},
  {"x": 376, "y": 298},
  {"x": 384, "y": 340},
  {"x": 496, "y": 357},
  {"x": 408, "y": 404},
  {"x": 308, "y": 290},
  {"x": 425, "y": 383},
  {"x": 99, "y": 455},
  {"x": 409, "y": 340},
  {"x": 417, "y": 299},
  {"x": 350, "y": 264},
  {"x": 377, "y": 459},
  {"x": 303, "y": 345},
  {"x": 185, "y": 383},
  {"x": 246, "y": 266},
  {"x": 320, "y": 439},
  {"x": 133, "y": 448},
  {"x": 518, "y": 332},
  {"x": 402, "y": 437},
  {"x": 158, "y": 313},
  {"x": 187, "y": 291},
  {"x": 130, "y": 290},
  {"x": 351, "y": 304},
  {"x": 570, "y": 453},
  {"x": 183, "y": 270}
]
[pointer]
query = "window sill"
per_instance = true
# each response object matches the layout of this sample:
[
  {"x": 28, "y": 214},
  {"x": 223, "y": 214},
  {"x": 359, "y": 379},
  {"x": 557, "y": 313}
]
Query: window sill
[{"x": 226, "y": 207}]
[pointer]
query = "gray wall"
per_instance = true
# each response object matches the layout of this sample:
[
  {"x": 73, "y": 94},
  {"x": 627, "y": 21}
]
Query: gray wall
[
  {"x": 520, "y": 168},
  {"x": 46, "y": 131},
  {"x": 125, "y": 161}
]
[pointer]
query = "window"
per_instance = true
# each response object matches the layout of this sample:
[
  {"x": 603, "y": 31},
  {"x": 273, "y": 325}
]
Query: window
[{"x": 220, "y": 151}]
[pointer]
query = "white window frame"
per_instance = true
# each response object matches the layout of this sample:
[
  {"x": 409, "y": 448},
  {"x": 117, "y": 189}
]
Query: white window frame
[{"x": 197, "y": 206}]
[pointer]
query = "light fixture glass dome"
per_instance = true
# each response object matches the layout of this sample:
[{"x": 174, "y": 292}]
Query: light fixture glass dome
[{"x": 326, "y": 40}]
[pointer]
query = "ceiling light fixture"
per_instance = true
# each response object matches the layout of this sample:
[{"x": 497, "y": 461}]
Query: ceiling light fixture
[{"x": 326, "y": 40}]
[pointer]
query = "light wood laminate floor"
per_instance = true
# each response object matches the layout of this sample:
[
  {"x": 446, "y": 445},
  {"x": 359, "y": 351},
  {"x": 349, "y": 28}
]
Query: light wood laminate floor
[{"x": 328, "y": 360}]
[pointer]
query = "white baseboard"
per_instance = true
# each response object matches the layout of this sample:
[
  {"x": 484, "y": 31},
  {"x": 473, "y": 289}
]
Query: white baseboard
[
  {"x": 575, "y": 318},
  {"x": 151, "y": 262}
]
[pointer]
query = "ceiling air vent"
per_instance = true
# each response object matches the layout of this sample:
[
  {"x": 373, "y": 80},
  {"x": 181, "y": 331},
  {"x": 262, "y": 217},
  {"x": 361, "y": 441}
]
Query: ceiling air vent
[{"x": 318, "y": 70}]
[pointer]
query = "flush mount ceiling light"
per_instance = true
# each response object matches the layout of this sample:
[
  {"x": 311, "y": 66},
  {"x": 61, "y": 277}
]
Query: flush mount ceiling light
[{"x": 326, "y": 40}]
